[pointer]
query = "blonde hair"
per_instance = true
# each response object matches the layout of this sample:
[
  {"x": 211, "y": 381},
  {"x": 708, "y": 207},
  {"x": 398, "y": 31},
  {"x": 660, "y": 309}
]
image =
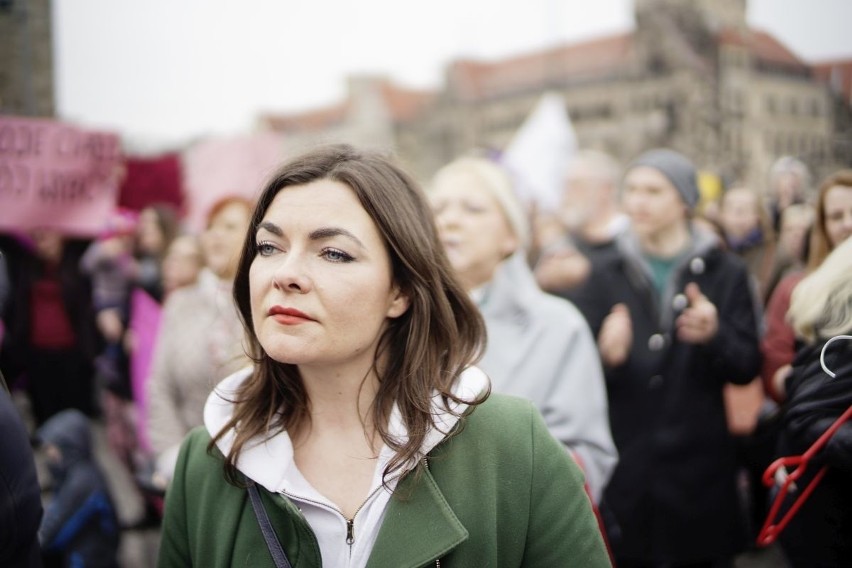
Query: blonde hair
[
  {"x": 821, "y": 304},
  {"x": 496, "y": 180}
]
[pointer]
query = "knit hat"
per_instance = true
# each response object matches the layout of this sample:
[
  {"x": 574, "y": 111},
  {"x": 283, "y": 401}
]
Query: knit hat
[{"x": 677, "y": 168}]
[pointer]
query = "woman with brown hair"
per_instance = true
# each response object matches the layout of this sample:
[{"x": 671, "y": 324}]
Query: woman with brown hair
[
  {"x": 833, "y": 225},
  {"x": 362, "y": 435}
]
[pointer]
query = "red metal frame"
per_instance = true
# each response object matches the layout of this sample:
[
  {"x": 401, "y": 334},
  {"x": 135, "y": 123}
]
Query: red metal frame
[{"x": 771, "y": 529}]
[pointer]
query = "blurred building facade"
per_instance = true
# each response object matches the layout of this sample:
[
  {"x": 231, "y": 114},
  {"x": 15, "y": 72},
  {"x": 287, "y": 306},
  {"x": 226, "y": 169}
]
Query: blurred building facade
[
  {"x": 692, "y": 76},
  {"x": 26, "y": 58}
]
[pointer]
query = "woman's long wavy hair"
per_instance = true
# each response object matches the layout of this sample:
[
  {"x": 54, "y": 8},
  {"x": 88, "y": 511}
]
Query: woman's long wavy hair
[
  {"x": 821, "y": 304},
  {"x": 820, "y": 244},
  {"x": 423, "y": 351}
]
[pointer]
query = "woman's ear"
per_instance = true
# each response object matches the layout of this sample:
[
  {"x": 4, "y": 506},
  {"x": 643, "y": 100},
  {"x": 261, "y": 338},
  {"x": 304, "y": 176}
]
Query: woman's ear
[{"x": 399, "y": 302}]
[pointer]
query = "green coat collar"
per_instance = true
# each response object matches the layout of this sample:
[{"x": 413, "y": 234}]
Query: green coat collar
[{"x": 438, "y": 530}]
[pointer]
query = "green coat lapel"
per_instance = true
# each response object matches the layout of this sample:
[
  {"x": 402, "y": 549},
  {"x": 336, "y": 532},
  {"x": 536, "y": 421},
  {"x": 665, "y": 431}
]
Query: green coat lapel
[{"x": 419, "y": 526}]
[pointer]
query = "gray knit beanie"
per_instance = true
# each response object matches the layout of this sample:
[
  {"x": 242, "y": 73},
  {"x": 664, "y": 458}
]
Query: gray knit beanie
[{"x": 677, "y": 168}]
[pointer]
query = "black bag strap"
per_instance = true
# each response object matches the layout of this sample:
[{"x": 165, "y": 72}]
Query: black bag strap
[{"x": 278, "y": 555}]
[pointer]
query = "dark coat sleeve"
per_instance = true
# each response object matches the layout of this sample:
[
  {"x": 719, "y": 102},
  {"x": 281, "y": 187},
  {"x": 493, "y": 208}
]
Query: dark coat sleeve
[
  {"x": 735, "y": 351},
  {"x": 20, "y": 495},
  {"x": 815, "y": 401},
  {"x": 63, "y": 518}
]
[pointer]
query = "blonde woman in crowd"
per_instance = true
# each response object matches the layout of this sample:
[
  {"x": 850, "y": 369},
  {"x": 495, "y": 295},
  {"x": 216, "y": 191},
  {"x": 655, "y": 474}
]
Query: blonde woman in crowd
[
  {"x": 820, "y": 533},
  {"x": 539, "y": 346}
]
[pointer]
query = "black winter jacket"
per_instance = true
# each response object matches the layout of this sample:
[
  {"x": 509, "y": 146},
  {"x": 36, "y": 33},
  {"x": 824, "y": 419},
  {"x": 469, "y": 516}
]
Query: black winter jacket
[
  {"x": 820, "y": 534},
  {"x": 20, "y": 494}
]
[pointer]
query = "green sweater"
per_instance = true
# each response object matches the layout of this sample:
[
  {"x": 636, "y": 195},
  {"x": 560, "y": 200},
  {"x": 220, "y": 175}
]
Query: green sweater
[{"x": 500, "y": 492}]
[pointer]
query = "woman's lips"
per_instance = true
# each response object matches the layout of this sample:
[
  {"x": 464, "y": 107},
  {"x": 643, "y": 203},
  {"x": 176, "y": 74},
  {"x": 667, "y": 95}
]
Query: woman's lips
[{"x": 288, "y": 316}]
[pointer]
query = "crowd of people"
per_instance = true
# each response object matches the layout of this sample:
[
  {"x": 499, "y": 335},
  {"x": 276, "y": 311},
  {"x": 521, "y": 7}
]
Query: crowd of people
[{"x": 330, "y": 366}]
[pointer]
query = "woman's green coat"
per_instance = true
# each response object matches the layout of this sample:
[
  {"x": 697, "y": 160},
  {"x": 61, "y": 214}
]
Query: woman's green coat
[{"x": 500, "y": 492}]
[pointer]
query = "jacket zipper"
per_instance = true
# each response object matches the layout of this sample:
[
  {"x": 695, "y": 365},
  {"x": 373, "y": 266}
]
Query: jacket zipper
[{"x": 350, "y": 523}]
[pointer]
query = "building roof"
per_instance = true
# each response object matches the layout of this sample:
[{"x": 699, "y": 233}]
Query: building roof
[
  {"x": 317, "y": 119},
  {"x": 595, "y": 59},
  {"x": 472, "y": 80},
  {"x": 762, "y": 45},
  {"x": 838, "y": 75},
  {"x": 402, "y": 104}
]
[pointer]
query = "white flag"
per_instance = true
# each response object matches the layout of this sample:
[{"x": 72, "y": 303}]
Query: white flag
[{"x": 538, "y": 152}]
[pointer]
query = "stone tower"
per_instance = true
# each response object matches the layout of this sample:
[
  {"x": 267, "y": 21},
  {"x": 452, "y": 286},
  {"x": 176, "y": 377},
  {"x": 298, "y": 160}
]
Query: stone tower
[
  {"x": 715, "y": 13},
  {"x": 26, "y": 58},
  {"x": 678, "y": 41}
]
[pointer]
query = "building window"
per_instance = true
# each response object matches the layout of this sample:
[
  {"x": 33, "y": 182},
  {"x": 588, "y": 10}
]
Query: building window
[{"x": 771, "y": 105}]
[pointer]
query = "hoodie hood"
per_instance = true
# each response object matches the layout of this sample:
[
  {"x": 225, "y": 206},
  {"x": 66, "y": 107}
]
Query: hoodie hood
[
  {"x": 512, "y": 292},
  {"x": 268, "y": 460},
  {"x": 69, "y": 431}
]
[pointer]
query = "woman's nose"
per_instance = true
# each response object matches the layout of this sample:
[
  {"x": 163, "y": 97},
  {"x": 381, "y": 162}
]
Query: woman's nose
[
  {"x": 449, "y": 217},
  {"x": 290, "y": 274}
]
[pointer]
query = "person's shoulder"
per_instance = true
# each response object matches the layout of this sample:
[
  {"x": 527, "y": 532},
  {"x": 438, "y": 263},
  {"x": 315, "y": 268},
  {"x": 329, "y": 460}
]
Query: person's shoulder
[
  {"x": 502, "y": 415},
  {"x": 790, "y": 281},
  {"x": 713, "y": 257},
  {"x": 500, "y": 403},
  {"x": 182, "y": 296},
  {"x": 558, "y": 310},
  {"x": 197, "y": 441},
  {"x": 716, "y": 262},
  {"x": 505, "y": 421},
  {"x": 196, "y": 448},
  {"x": 185, "y": 304}
]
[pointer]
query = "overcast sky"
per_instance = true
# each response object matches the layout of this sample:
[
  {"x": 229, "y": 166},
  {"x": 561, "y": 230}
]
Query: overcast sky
[{"x": 167, "y": 70}]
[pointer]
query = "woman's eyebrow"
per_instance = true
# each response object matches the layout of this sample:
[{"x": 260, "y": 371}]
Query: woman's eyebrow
[
  {"x": 316, "y": 235},
  {"x": 330, "y": 232},
  {"x": 272, "y": 228}
]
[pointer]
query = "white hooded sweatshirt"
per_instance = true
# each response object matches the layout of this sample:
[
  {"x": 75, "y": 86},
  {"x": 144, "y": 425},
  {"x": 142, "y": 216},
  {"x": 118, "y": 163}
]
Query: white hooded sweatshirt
[{"x": 270, "y": 463}]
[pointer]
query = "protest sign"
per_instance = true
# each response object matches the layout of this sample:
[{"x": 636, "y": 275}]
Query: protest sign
[
  {"x": 225, "y": 167},
  {"x": 54, "y": 175}
]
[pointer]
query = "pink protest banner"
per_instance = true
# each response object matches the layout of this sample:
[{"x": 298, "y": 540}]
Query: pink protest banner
[
  {"x": 54, "y": 175},
  {"x": 145, "y": 326},
  {"x": 232, "y": 166}
]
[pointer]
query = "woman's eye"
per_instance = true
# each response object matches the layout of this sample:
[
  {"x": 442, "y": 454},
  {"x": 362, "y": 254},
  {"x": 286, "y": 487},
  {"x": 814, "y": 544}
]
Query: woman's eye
[
  {"x": 336, "y": 255},
  {"x": 265, "y": 248}
]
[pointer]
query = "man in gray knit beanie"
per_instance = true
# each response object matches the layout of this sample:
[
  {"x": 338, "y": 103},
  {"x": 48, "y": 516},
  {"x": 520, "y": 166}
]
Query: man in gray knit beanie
[{"x": 674, "y": 322}]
